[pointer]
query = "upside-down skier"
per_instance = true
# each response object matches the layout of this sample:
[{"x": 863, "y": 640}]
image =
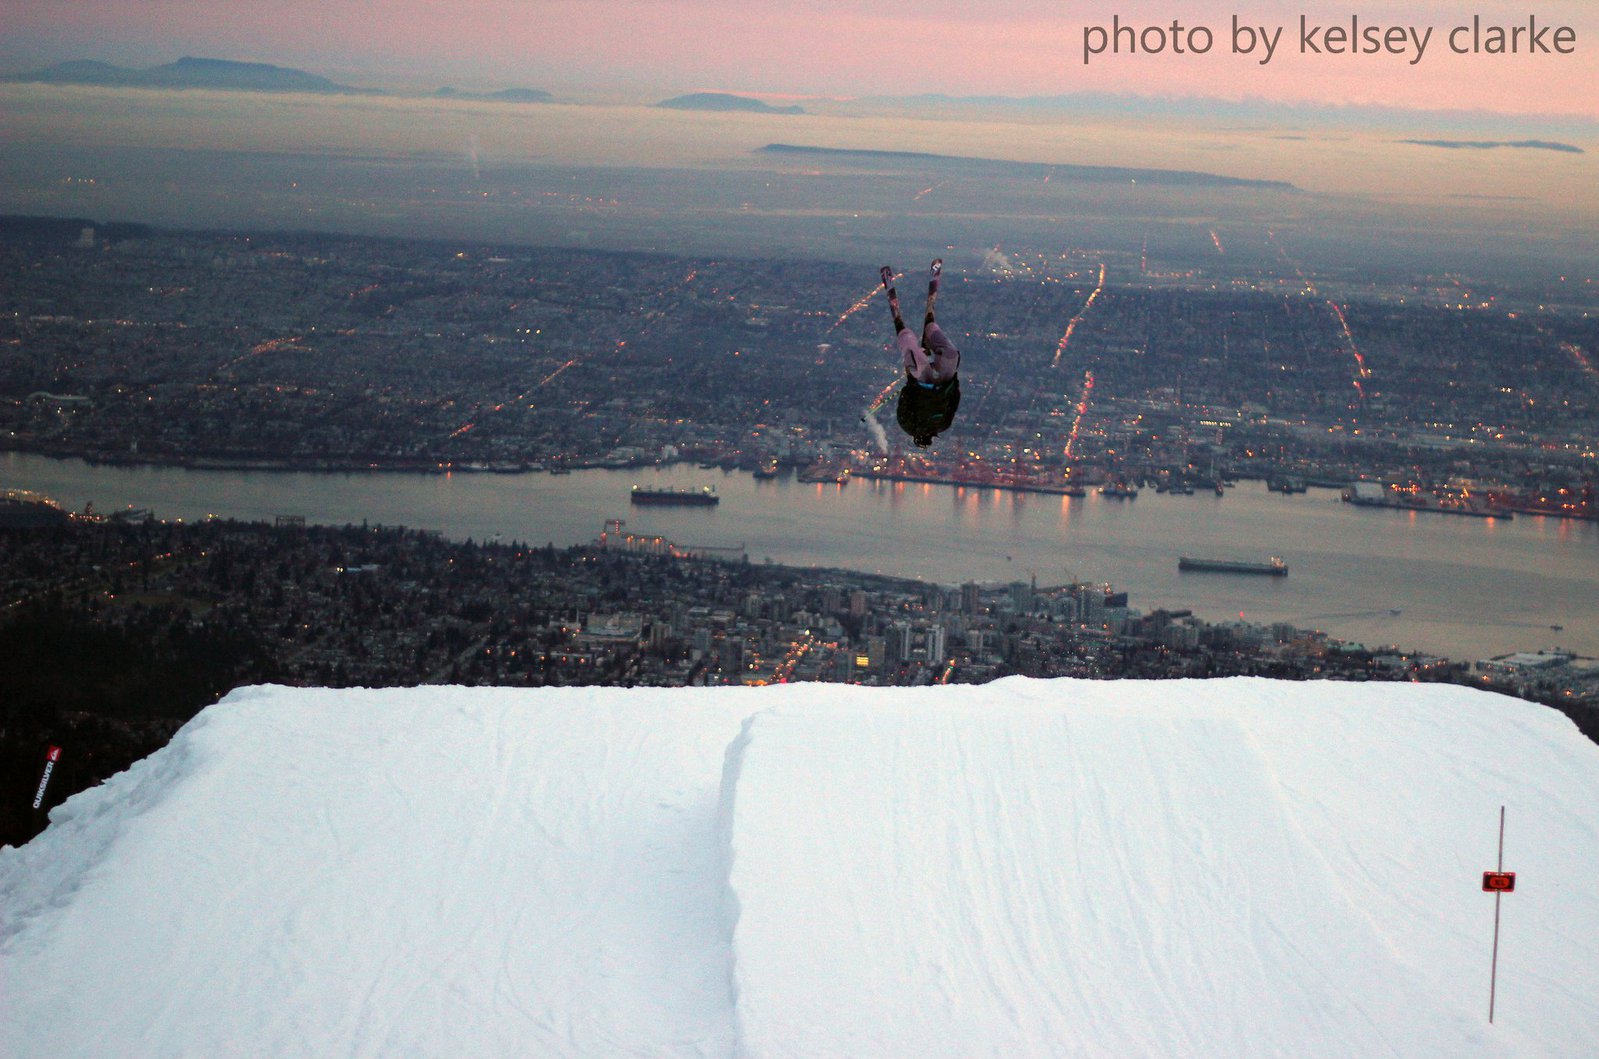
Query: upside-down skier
[{"x": 932, "y": 390}]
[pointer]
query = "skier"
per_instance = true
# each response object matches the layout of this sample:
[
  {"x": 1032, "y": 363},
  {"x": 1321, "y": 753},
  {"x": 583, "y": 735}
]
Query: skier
[{"x": 932, "y": 390}]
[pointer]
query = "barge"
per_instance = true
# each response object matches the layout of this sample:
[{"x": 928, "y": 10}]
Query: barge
[
  {"x": 704, "y": 496},
  {"x": 1273, "y": 567}
]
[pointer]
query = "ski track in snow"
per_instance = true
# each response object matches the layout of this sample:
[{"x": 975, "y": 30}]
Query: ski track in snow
[{"x": 1026, "y": 868}]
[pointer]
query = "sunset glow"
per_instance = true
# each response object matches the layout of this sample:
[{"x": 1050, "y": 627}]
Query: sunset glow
[{"x": 829, "y": 48}]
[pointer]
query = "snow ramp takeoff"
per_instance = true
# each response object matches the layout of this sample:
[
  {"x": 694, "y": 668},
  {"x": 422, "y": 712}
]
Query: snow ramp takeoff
[{"x": 1051, "y": 868}]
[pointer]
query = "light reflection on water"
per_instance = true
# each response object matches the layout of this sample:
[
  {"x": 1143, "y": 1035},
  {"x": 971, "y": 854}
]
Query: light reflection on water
[{"x": 1465, "y": 587}]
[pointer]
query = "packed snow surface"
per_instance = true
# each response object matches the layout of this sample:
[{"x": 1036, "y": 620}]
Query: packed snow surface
[{"x": 1026, "y": 868}]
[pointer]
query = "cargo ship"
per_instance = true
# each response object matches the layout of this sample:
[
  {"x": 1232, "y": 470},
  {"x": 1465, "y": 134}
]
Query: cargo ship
[
  {"x": 701, "y": 497},
  {"x": 1273, "y": 567}
]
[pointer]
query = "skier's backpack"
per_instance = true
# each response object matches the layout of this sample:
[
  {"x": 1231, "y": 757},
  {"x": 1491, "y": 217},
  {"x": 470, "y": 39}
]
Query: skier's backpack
[{"x": 926, "y": 411}]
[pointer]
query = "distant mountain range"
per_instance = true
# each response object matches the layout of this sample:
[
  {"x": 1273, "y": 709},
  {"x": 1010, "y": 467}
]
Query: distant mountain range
[
  {"x": 1211, "y": 109},
  {"x": 227, "y": 75},
  {"x": 724, "y": 101},
  {"x": 1090, "y": 174},
  {"x": 1488, "y": 145},
  {"x": 190, "y": 73},
  {"x": 506, "y": 95}
]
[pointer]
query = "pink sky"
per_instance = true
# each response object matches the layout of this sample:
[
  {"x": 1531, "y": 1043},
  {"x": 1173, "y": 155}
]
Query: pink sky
[{"x": 815, "y": 47}]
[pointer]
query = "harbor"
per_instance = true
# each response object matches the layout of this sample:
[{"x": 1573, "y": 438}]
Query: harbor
[
  {"x": 1468, "y": 588},
  {"x": 1406, "y": 498}
]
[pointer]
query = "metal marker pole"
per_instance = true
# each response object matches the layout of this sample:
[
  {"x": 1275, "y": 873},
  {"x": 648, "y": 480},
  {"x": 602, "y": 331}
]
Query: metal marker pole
[{"x": 1493, "y": 981}]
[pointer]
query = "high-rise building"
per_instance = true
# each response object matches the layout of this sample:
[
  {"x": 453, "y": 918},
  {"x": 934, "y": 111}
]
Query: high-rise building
[
  {"x": 900, "y": 638},
  {"x": 1092, "y": 602}
]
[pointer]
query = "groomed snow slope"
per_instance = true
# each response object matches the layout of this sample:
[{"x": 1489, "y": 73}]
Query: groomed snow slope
[{"x": 1228, "y": 868}]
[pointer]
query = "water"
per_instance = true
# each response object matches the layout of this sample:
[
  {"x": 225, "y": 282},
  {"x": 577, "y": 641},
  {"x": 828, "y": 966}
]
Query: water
[{"x": 1463, "y": 587}]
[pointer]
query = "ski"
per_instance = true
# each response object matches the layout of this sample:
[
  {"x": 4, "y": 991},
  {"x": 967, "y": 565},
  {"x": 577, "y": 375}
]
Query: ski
[{"x": 887, "y": 273}]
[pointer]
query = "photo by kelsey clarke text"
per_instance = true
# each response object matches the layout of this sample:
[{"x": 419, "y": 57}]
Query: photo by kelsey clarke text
[{"x": 1351, "y": 36}]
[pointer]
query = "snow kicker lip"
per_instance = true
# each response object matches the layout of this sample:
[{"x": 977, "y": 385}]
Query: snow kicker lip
[{"x": 1183, "y": 868}]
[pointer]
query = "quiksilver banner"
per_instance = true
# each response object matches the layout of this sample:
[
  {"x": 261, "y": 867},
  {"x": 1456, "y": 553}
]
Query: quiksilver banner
[{"x": 50, "y": 760}]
